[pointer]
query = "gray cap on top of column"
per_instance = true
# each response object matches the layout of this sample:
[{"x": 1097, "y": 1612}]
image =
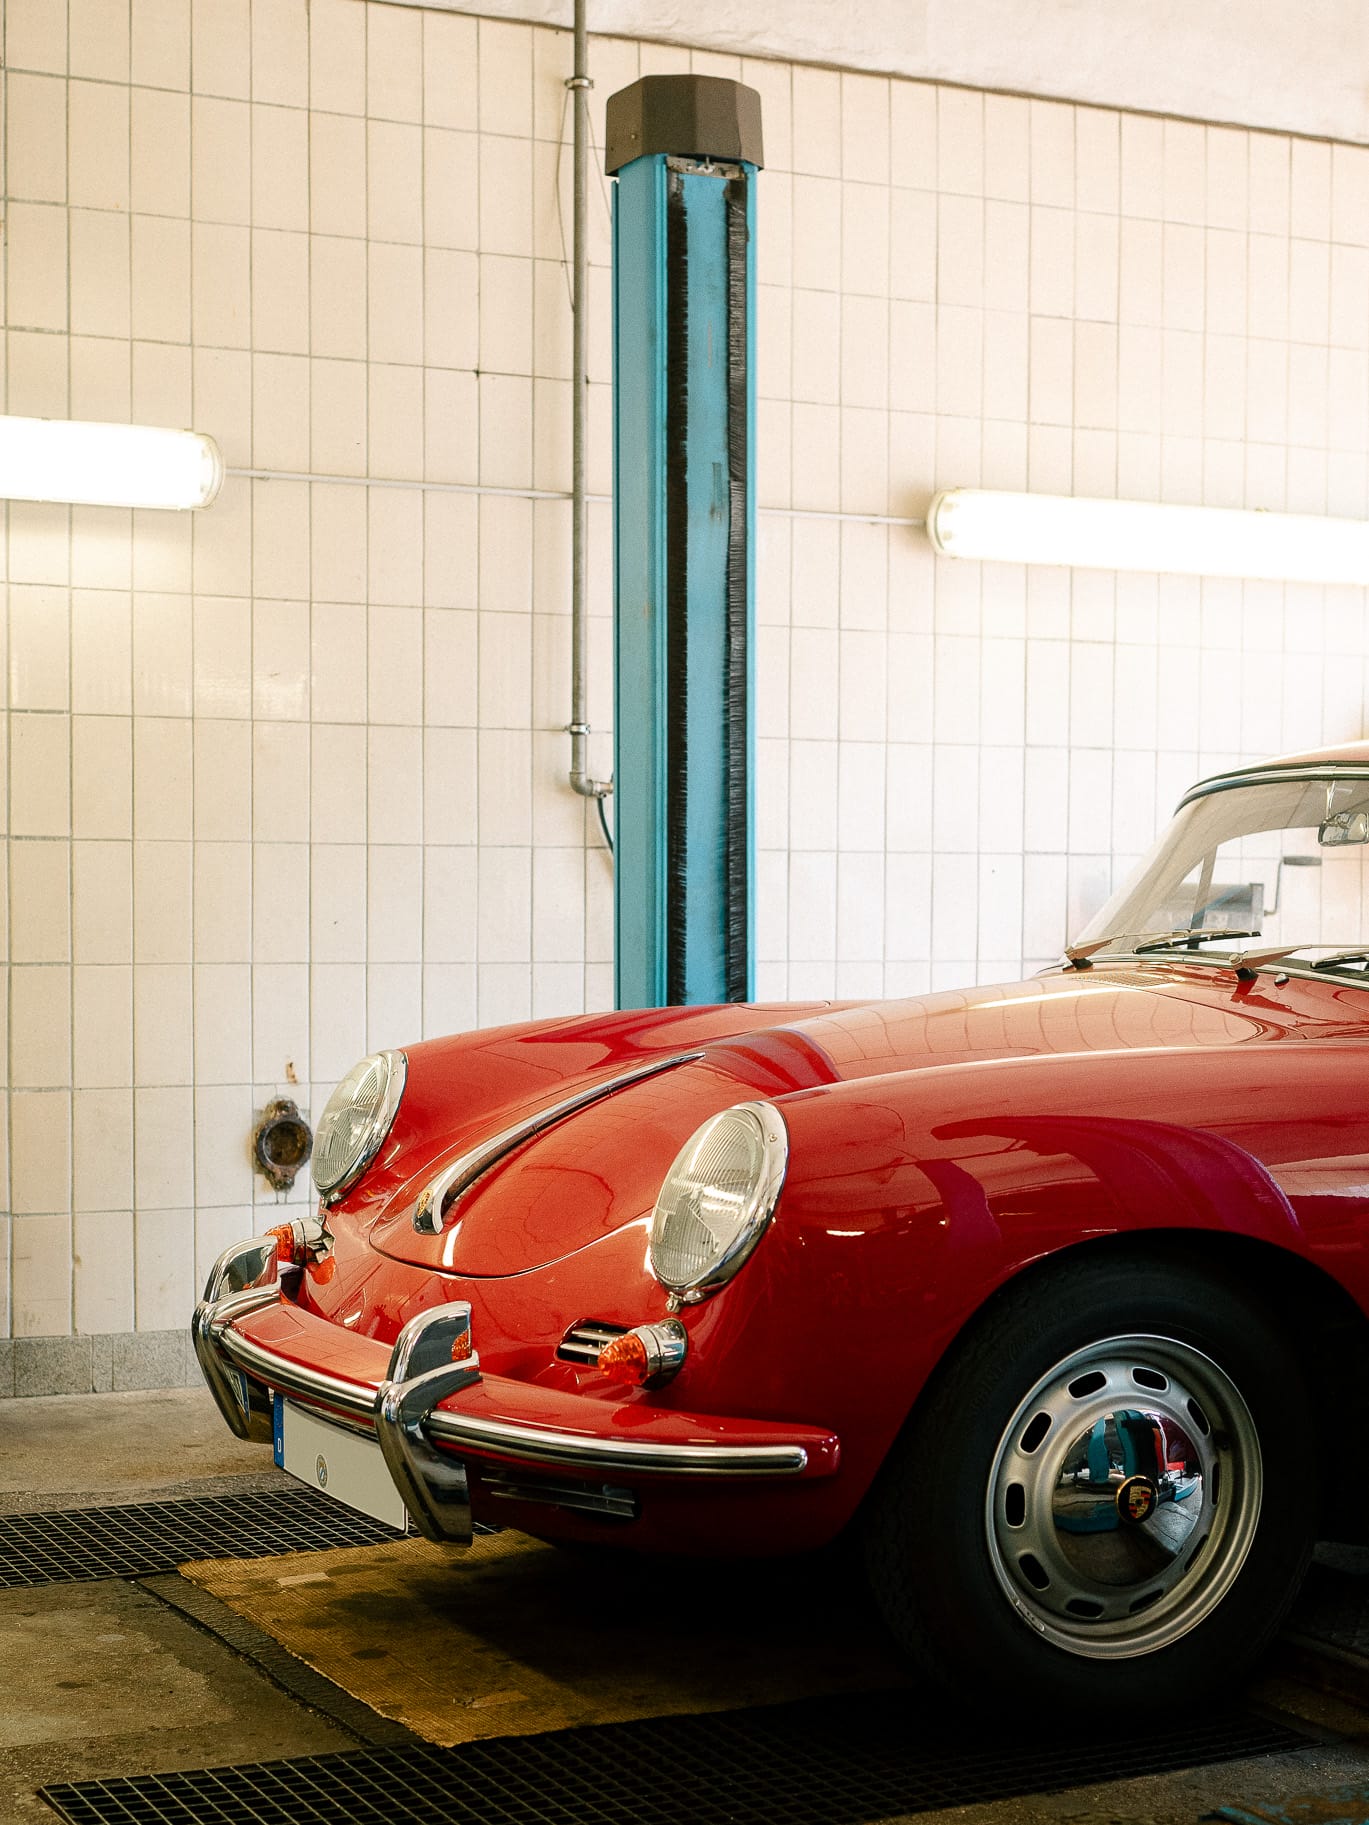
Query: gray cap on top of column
[{"x": 685, "y": 116}]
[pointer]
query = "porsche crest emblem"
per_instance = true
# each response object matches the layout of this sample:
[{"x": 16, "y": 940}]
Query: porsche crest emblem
[
  {"x": 1136, "y": 1499},
  {"x": 421, "y": 1218}
]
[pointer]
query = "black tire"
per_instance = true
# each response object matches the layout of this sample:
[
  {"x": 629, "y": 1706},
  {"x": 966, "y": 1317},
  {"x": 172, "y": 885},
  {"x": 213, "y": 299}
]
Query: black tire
[{"x": 938, "y": 1532}]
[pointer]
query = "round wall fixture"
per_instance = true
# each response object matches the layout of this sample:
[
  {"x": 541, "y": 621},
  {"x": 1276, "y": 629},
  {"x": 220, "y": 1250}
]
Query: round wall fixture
[{"x": 281, "y": 1143}]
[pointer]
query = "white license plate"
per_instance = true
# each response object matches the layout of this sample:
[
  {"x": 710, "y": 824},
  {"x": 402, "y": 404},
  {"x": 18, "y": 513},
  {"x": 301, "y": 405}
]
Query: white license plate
[{"x": 344, "y": 1465}]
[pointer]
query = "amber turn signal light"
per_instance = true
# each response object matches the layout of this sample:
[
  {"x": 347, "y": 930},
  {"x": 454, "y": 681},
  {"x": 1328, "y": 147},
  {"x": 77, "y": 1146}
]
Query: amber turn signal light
[
  {"x": 647, "y": 1355},
  {"x": 461, "y": 1346},
  {"x": 625, "y": 1359},
  {"x": 303, "y": 1243},
  {"x": 289, "y": 1251}
]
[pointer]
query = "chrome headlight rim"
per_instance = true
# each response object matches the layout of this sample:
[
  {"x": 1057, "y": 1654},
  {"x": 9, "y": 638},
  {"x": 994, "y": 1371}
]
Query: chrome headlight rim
[
  {"x": 765, "y": 1196},
  {"x": 381, "y": 1122}
]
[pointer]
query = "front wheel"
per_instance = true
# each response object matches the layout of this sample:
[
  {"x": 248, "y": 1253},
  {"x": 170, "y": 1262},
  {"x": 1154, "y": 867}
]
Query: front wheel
[{"x": 1104, "y": 1498}]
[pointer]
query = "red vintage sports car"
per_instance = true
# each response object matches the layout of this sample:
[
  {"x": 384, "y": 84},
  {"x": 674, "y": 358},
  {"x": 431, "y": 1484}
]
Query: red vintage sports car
[{"x": 1050, "y": 1297}]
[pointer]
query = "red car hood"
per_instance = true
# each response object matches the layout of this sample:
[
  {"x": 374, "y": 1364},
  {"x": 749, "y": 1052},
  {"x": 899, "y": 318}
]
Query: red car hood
[{"x": 602, "y": 1167}]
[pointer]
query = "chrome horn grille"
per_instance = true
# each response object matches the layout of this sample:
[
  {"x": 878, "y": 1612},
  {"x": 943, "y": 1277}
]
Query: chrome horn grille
[{"x": 583, "y": 1342}]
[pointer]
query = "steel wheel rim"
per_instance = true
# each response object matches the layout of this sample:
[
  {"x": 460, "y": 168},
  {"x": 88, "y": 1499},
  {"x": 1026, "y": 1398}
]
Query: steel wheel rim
[{"x": 1124, "y": 1497}]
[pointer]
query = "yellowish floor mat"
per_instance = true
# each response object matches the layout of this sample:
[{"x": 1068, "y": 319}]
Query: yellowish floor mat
[{"x": 512, "y": 1637}]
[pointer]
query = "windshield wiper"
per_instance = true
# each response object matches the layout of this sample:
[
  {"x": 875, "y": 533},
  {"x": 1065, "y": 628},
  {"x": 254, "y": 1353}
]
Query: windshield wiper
[
  {"x": 1137, "y": 943},
  {"x": 1170, "y": 939},
  {"x": 1245, "y": 963}
]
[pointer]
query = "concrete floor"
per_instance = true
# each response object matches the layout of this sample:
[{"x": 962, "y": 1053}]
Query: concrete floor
[
  {"x": 115, "y": 1681},
  {"x": 84, "y": 1450}
]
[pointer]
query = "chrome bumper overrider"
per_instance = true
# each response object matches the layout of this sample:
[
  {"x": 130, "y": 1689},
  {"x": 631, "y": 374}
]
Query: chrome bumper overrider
[{"x": 403, "y": 1409}]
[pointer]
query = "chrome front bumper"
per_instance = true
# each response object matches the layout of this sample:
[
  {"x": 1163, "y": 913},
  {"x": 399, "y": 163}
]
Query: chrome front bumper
[
  {"x": 424, "y": 1369},
  {"x": 403, "y": 1408}
]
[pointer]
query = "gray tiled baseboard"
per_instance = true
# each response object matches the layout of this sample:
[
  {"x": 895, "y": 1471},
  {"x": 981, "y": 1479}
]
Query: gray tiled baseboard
[{"x": 112, "y": 1361}]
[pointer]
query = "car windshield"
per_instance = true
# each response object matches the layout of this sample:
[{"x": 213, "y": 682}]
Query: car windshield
[{"x": 1252, "y": 867}]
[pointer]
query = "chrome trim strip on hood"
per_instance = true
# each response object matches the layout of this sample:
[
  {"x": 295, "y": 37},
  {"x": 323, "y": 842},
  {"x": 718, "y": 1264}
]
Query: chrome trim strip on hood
[
  {"x": 533, "y": 1444},
  {"x": 442, "y": 1193}
]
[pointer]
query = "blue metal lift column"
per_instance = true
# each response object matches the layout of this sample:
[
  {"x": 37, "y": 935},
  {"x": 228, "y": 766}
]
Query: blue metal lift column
[{"x": 685, "y": 151}]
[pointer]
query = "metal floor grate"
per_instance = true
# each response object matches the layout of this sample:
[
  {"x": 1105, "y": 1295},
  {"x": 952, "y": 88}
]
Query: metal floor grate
[
  {"x": 75, "y": 1545},
  {"x": 830, "y": 1761}
]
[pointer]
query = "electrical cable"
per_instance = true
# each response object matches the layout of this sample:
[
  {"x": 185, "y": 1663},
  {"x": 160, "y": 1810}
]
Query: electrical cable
[{"x": 603, "y": 821}]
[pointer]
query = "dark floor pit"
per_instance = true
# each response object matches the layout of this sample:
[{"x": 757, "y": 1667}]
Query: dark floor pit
[
  {"x": 1333, "y": 1610},
  {"x": 834, "y": 1761},
  {"x": 76, "y": 1545}
]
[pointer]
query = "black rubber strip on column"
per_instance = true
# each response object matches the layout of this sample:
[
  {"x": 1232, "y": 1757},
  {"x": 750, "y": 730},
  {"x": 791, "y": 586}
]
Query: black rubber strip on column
[
  {"x": 737, "y": 852},
  {"x": 677, "y": 588}
]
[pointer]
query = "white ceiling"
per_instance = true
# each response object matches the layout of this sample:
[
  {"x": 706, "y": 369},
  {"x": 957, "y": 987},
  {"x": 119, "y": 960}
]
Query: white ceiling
[{"x": 1302, "y": 65}]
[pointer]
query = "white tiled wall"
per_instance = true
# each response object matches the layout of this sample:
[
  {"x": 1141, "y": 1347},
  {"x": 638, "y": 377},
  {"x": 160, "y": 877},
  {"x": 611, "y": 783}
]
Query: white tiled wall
[{"x": 285, "y": 782}]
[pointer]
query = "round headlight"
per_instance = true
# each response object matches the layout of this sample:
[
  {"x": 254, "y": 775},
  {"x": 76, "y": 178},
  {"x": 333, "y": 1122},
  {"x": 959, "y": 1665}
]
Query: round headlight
[
  {"x": 717, "y": 1199},
  {"x": 358, "y": 1117}
]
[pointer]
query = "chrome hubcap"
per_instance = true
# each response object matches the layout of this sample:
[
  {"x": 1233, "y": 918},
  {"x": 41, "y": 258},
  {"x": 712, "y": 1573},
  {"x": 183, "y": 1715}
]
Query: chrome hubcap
[{"x": 1124, "y": 1497}]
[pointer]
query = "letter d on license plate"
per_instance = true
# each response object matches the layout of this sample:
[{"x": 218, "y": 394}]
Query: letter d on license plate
[{"x": 344, "y": 1465}]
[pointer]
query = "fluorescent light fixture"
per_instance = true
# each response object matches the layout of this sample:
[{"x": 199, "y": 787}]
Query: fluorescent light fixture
[
  {"x": 1149, "y": 536},
  {"x": 96, "y": 465}
]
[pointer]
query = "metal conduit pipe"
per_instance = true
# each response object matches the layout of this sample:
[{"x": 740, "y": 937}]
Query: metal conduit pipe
[{"x": 578, "y": 728}]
